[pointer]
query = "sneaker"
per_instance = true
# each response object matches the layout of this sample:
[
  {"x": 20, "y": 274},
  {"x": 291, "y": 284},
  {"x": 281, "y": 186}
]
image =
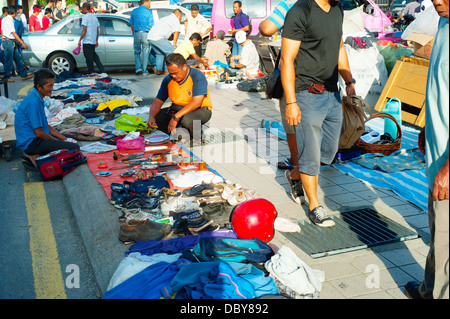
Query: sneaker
[
  {"x": 319, "y": 217},
  {"x": 139, "y": 72},
  {"x": 140, "y": 203},
  {"x": 298, "y": 195}
]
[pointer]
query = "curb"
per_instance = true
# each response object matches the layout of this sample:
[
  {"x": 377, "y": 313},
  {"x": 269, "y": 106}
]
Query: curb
[{"x": 98, "y": 224}]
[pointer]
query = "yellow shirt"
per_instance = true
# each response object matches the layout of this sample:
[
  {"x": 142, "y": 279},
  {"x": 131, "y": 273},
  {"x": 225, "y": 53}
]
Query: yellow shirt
[{"x": 186, "y": 48}]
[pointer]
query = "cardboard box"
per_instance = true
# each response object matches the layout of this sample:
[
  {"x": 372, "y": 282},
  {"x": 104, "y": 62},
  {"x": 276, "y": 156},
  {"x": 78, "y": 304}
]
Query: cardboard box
[{"x": 423, "y": 44}]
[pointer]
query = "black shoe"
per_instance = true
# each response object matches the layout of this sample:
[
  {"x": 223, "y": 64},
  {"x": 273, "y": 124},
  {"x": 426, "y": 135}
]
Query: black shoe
[
  {"x": 412, "y": 290},
  {"x": 298, "y": 195},
  {"x": 319, "y": 217}
]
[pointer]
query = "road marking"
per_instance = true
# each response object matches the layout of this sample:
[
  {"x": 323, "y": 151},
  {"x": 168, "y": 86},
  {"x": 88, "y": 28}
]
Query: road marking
[
  {"x": 48, "y": 278},
  {"x": 24, "y": 91}
]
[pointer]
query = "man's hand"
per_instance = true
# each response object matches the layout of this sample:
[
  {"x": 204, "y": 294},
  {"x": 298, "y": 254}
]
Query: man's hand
[
  {"x": 24, "y": 46},
  {"x": 440, "y": 186},
  {"x": 350, "y": 90},
  {"x": 152, "y": 122},
  {"x": 293, "y": 114},
  {"x": 421, "y": 141},
  {"x": 172, "y": 125}
]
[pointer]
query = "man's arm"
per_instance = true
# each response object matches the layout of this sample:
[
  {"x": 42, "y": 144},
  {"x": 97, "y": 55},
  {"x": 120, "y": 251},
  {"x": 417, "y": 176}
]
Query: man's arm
[
  {"x": 155, "y": 108},
  {"x": 344, "y": 70},
  {"x": 98, "y": 33},
  {"x": 289, "y": 51},
  {"x": 268, "y": 28},
  {"x": 24, "y": 46},
  {"x": 199, "y": 59},
  {"x": 54, "y": 134},
  {"x": 175, "y": 39}
]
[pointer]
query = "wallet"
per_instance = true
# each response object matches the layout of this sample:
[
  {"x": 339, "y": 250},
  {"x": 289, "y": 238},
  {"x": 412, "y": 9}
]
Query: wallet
[{"x": 315, "y": 88}]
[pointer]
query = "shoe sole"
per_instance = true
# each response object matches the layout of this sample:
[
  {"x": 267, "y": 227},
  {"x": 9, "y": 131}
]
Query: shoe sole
[{"x": 298, "y": 200}]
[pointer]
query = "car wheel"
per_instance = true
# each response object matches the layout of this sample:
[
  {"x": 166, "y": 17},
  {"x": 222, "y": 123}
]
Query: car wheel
[{"x": 60, "y": 62}]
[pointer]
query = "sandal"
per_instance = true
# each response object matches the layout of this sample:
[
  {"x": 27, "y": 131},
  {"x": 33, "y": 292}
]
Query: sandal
[
  {"x": 198, "y": 190},
  {"x": 286, "y": 165}
]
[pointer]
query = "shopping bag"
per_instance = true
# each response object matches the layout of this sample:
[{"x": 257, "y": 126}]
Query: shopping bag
[
  {"x": 77, "y": 50},
  {"x": 127, "y": 123}
]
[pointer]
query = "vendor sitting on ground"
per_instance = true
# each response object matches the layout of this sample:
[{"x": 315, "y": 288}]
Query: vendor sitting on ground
[
  {"x": 187, "y": 50},
  {"x": 34, "y": 135},
  {"x": 188, "y": 90},
  {"x": 249, "y": 57}
]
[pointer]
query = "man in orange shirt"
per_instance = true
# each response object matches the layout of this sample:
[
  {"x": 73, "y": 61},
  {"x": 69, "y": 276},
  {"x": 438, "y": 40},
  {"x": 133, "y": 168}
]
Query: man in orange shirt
[{"x": 187, "y": 88}]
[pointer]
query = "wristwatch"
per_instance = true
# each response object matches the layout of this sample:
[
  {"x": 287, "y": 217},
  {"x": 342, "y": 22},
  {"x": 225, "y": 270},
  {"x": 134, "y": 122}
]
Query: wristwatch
[
  {"x": 175, "y": 118},
  {"x": 353, "y": 81}
]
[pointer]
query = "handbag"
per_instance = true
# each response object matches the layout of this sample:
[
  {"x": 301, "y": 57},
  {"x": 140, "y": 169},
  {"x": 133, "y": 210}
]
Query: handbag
[
  {"x": 354, "y": 120},
  {"x": 274, "y": 87}
]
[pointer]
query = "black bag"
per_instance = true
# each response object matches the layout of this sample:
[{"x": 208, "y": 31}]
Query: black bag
[{"x": 274, "y": 87}]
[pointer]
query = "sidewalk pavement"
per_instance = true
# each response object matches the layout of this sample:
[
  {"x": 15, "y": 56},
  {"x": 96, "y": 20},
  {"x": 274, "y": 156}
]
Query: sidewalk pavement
[{"x": 347, "y": 275}]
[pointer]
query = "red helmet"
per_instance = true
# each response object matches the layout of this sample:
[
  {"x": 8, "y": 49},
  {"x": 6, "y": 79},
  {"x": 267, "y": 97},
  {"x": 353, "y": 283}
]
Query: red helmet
[{"x": 254, "y": 219}]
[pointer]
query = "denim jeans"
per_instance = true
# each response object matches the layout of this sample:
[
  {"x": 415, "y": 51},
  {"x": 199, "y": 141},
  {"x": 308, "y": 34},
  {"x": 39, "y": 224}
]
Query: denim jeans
[
  {"x": 141, "y": 46},
  {"x": 162, "y": 48},
  {"x": 319, "y": 130},
  {"x": 237, "y": 49},
  {"x": 12, "y": 54}
]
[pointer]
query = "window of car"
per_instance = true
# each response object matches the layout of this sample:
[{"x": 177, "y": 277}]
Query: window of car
[
  {"x": 72, "y": 27},
  {"x": 115, "y": 27},
  {"x": 349, "y": 4},
  {"x": 252, "y": 8}
]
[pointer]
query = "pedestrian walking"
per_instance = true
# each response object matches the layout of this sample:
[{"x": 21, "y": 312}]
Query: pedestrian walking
[
  {"x": 268, "y": 27},
  {"x": 159, "y": 38},
  {"x": 312, "y": 57},
  {"x": 10, "y": 45},
  {"x": 196, "y": 23},
  {"x": 89, "y": 38},
  {"x": 141, "y": 22},
  {"x": 434, "y": 144}
]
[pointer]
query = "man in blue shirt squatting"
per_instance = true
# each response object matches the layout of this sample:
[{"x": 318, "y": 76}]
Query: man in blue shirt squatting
[
  {"x": 35, "y": 137},
  {"x": 434, "y": 144},
  {"x": 141, "y": 21}
]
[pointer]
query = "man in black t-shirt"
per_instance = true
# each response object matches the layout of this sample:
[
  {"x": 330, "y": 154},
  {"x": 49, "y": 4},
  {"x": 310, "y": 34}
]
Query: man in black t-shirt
[{"x": 313, "y": 54}]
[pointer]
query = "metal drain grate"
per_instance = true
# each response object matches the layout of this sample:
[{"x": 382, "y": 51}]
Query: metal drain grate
[{"x": 354, "y": 230}]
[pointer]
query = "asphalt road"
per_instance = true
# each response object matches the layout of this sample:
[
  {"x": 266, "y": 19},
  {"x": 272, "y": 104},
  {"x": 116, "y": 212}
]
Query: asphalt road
[{"x": 41, "y": 253}]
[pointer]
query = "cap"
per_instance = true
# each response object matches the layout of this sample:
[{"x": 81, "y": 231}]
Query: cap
[
  {"x": 241, "y": 36},
  {"x": 36, "y": 10}
]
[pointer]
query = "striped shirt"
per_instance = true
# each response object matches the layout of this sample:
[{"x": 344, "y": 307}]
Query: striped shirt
[
  {"x": 141, "y": 19},
  {"x": 279, "y": 13}
]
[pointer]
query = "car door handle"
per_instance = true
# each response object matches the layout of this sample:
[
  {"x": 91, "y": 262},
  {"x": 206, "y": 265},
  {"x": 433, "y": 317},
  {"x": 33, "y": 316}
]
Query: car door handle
[
  {"x": 112, "y": 40},
  {"x": 70, "y": 40}
]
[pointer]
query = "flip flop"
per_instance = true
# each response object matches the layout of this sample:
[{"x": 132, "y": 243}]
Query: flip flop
[
  {"x": 198, "y": 189},
  {"x": 286, "y": 165}
]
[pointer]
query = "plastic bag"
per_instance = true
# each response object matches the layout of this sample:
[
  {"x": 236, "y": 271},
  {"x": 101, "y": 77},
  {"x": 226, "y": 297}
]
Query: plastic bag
[
  {"x": 258, "y": 85},
  {"x": 77, "y": 50},
  {"x": 135, "y": 144},
  {"x": 426, "y": 22},
  {"x": 392, "y": 54}
]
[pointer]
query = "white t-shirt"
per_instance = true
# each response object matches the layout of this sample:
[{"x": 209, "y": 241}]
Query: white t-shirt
[
  {"x": 91, "y": 22},
  {"x": 249, "y": 56},
  {"x": 198, "y": 24},
  {"x": 164, "y": 28},
  {"x": 8, "y": 27}
]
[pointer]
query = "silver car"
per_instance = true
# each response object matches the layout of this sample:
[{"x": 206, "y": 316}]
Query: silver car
[{"x": 53, "y": 47}]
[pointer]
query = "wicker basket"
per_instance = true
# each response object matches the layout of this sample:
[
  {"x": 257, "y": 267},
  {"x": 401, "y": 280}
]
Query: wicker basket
[{"x": 385, "y": 149}]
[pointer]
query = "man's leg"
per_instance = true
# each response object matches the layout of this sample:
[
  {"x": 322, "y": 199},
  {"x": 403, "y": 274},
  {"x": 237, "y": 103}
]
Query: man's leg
[
  {"x": 42, "y": 147},
  {"x": 162, "y": 120},
  {"x": 145, "y": 53},
  {"x": 88, "y": 51},
  {"x": 137, "y": 51},
  {"x": 8, "y": 47},
  {"x": 19, "y": 63},
  {"x": 314, "y": 108},
  {"x": 162, "y": 48},
  {"x": 98, "y": 62},
  {"x": 202, "y": 114}
]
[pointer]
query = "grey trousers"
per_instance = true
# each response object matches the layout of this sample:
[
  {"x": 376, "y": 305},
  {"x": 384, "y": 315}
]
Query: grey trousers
[{"x": 435, "y": 283}]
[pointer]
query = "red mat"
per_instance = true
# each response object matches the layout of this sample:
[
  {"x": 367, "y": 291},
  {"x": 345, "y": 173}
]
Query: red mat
[{"x": 116, "y": 167}]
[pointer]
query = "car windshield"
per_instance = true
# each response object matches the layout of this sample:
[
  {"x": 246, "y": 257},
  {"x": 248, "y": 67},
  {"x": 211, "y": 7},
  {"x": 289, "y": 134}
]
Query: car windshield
[{"x": 349, "y": 4}]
